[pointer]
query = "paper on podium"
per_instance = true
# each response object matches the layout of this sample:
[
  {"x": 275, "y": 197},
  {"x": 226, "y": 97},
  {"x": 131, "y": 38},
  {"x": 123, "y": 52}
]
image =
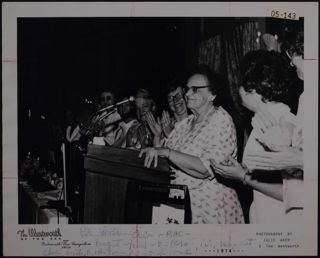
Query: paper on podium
[
  {"x": 98, "y": 141},
  {"x": 165, "y": 214}
]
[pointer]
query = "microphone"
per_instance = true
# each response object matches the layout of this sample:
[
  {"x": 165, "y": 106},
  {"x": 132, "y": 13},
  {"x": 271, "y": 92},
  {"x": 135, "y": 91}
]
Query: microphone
[
  {"x": 130, "y": 99},
  {"x": 86, "y": 129}
]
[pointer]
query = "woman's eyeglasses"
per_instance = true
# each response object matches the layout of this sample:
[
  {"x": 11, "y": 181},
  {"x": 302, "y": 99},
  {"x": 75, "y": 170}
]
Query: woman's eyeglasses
[
  {"x": 289, "y": 54},
  {"x": 176, "y": 97},
  {"x": 194, "y": 88}
]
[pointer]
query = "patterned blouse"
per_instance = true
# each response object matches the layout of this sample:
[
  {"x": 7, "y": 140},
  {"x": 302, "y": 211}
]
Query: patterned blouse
[{"x": 213, "y": 138}]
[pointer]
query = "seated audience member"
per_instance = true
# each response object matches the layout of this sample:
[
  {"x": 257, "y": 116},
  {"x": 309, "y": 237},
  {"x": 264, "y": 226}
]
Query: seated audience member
[
  {"x": 208, "y": 133},
  {"x": 264, "y": 88},
  {"x": 73, "y": 128},
  {"x": 139, "y": 135},
  {"x": 162, "y": 129},
  {"x": 127, "y": 113},
  {"x": 109, "y": 126},
  {"x": 177, "y": 105}
]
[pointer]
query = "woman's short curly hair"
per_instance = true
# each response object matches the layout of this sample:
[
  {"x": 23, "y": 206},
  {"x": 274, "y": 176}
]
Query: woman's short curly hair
[
  {"x": 213, "y": 77},
  {"x": 269, "y": 74},
  {"x": 174, "y": 84}
]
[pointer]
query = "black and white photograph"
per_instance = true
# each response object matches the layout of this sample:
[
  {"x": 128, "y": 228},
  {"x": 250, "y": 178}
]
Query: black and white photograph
[
  {"x": 160, "y": 120},
  {"x": 120, "y": 115}
]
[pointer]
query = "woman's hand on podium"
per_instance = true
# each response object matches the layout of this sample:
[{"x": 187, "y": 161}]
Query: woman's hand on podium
[{"x": 152, "y": 154}]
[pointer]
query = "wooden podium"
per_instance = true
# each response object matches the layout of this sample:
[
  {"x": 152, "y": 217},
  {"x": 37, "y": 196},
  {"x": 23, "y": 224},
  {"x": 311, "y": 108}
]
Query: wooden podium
[{"x": 113, "y": 182}]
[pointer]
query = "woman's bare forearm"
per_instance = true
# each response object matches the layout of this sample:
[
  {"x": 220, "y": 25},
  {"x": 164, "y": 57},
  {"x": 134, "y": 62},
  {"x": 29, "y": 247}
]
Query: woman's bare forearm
[
  {"x": 272, "y": 190},
  {"x": 191, "y": 165}
]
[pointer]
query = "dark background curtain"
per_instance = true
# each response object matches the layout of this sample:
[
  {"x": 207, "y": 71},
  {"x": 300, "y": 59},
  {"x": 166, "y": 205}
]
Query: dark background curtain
[{"x": 223, "y": 54}]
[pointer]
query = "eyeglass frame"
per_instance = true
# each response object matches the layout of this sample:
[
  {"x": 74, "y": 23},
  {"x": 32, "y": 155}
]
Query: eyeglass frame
[
  {"x": 290, "y": 57},
  {"x": 288, "y": 54},
  {"x": 175, "y": 98},
  {"x": 194, "y": 88}
]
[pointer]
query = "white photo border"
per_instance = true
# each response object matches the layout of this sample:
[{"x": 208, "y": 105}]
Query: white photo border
[{"x": 245, "y": 239}]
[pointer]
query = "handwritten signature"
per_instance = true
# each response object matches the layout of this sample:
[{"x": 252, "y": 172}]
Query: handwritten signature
[{"x": 117, "y": 241}]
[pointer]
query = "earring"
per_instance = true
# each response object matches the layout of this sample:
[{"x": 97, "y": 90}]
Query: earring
[
  {"x": 291, "y": 64},
  {"x": 212, "y": 98}
]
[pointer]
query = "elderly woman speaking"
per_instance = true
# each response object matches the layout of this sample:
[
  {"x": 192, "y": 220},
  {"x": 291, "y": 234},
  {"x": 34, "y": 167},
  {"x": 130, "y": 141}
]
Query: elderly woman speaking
[{"x": 208, "y": 133}]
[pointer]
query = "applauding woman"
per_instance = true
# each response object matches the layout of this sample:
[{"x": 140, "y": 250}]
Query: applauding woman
[
  {"x": 162, "y": 128},
  {"x": 208, "y": 133},
  {"x": 287, "y": 158},
  {"x": 264, "y": 90}
]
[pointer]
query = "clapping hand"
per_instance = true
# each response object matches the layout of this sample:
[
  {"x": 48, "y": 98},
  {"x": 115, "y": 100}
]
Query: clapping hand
[
  {"x": 166, "y": 123},
  {"x": 155, "y": 126}
]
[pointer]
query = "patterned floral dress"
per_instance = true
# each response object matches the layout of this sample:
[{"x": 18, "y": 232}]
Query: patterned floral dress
[{"x": 213, "y": 138}]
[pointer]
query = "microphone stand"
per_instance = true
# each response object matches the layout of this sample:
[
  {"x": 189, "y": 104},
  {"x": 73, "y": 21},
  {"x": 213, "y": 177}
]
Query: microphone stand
[
  {"x": 106, "y": 115},
  {"x": 89, "y": 129},
  {"x": 114, "y": 105}
]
